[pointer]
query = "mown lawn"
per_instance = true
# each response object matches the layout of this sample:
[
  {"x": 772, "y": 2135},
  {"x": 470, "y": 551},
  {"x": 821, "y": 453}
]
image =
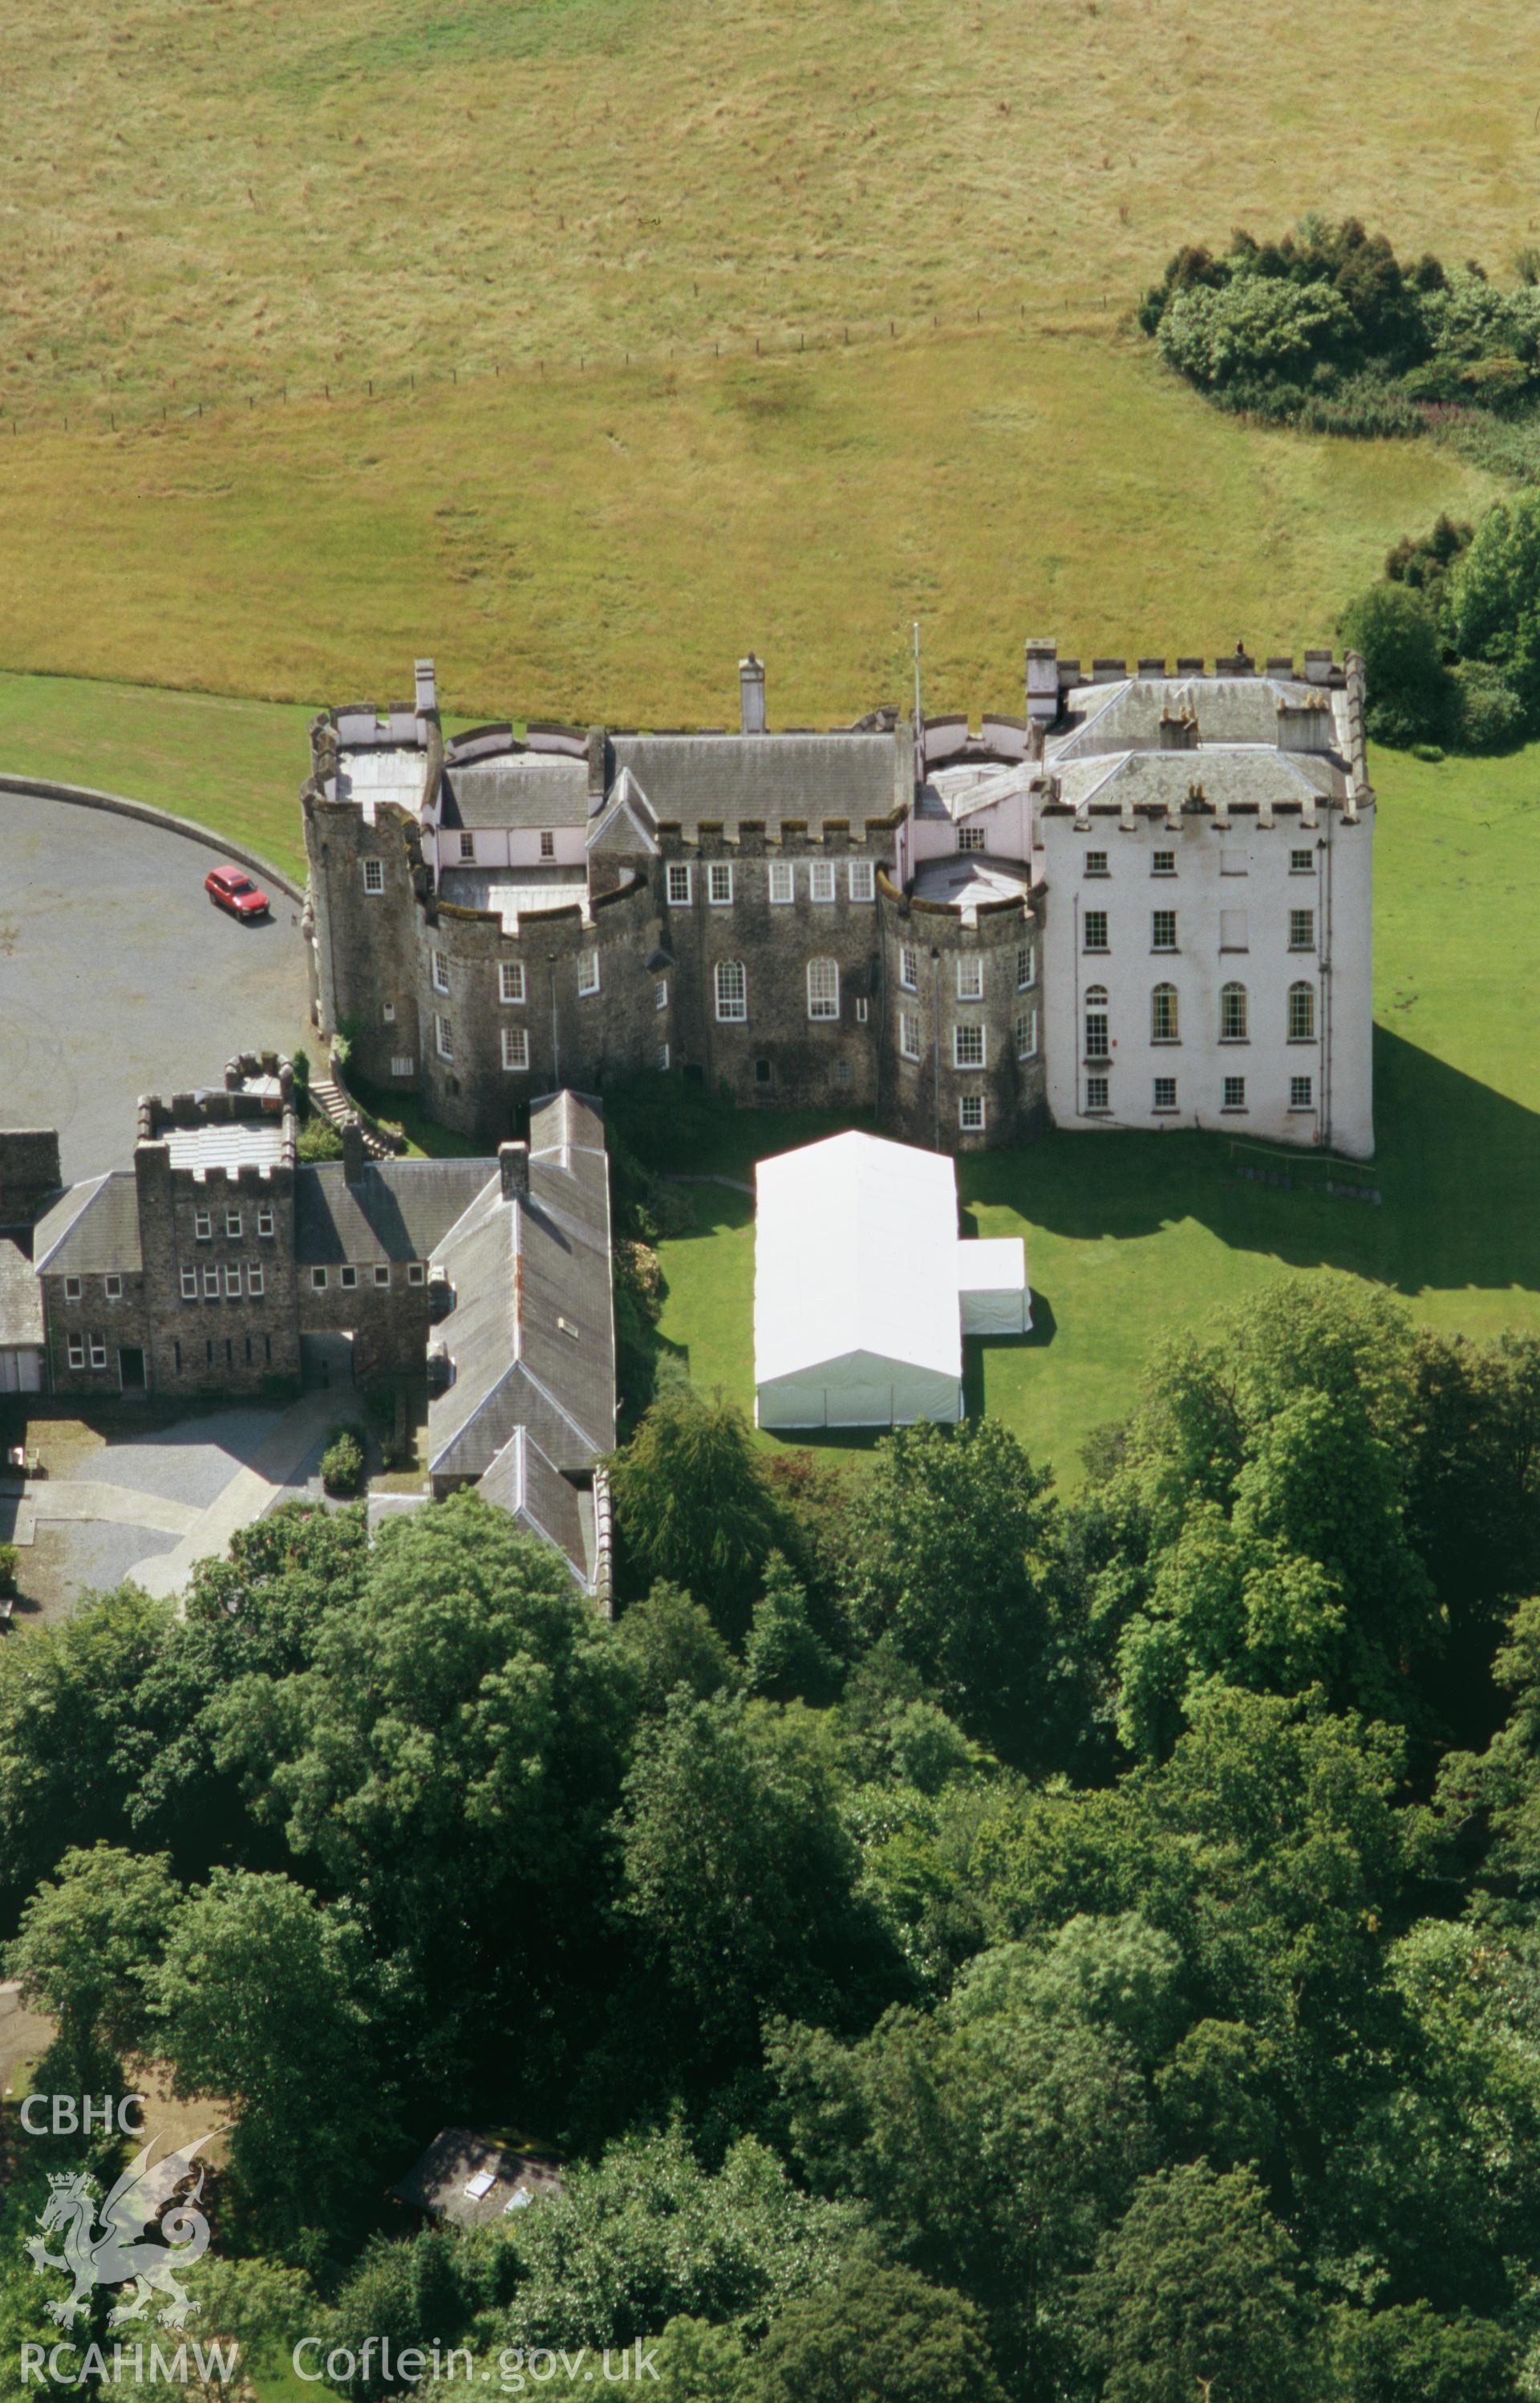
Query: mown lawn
[{"x": 1132, "y": 1237}]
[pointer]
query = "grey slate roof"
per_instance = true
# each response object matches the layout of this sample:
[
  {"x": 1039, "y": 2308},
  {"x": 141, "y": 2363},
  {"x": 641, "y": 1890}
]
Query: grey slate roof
[
  {"x": 1233, "y": 776},
  {"x": 398, "y": 1210},
  {"x": 738, "y": 777},
  {"x": 532, "y": 1335},
  {"x": 91, "y": 1229},
  {"x": 533, "y": 1490},
  {"x": 1229, "y": 709},
  {"x": 523, "y": 790},
  {"x": 21, "y": 1297}
]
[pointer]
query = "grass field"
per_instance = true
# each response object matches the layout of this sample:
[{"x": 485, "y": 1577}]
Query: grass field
[
  {"x": 220, "y": 201},
  {"x": 1127, "y": 1244}
]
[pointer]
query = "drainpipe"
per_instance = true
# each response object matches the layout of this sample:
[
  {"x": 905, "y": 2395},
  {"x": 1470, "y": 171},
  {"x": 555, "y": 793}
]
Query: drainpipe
[
  {"x": 555, "y": 1028},
  {"x": 935, "y": 1034}
]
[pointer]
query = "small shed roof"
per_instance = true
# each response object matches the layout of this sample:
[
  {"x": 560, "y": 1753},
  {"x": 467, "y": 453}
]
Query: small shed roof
[
  {"x": 470, "y": 2178},
  {"x": 856, "y": 1248}
]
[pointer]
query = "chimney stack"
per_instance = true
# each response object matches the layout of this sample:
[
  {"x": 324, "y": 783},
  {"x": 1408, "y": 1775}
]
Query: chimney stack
[
  {"x": 513, "y": 1162},
  {"x": 353, "y": 1153},
  {"x": 751, "y": 687},
  {"x": 1177, "y": 730},
  {"x": 427, "y": 688},
  {"x": 1042, "y": 682}
]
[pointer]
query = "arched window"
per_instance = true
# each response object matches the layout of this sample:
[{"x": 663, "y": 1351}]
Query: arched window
[
  {"x": 1233, "y": 1020},
  {"x": 1097, "y": 1045},
  {"x": 822, "y": 988},
  {"x": 1302, "y": 1013},
  {"x": 732, "y": 993},
  {"x": 1165, "y": 1025}
]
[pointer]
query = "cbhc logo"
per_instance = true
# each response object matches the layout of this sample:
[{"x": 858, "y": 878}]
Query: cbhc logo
[{"x": 71, "y": 2115}]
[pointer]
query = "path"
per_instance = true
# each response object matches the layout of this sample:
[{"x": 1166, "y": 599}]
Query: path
[{"x": 252, "y": 1492}]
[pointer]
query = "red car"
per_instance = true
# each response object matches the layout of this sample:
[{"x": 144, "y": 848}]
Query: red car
[{"x": 231, "y": 889}]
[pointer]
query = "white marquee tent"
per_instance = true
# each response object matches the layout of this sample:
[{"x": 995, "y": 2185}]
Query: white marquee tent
[{"x": 862, "y": 1290}]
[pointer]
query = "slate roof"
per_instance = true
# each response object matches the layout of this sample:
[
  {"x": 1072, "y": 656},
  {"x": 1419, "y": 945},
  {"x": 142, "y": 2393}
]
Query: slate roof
[
  {"x": 1233, "y": 776},
  {"x": 733, "y": 778},
  {"x": 437, "y": 2182},
  {"x": 21, "y": 1297},
  {"x": 1229, "y": 709},
  {"x": 523, "y": 790},
  {"x": 398, "y": 1210},
  {"x": 533, "y": 1490},
  {"x": 532, "y": 1334},
  {"x": 91, "y": 1229}
]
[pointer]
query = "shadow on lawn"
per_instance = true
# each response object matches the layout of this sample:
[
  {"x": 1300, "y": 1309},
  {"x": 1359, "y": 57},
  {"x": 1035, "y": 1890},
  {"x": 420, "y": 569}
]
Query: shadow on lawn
[{"x": 1458, "y": 1166}]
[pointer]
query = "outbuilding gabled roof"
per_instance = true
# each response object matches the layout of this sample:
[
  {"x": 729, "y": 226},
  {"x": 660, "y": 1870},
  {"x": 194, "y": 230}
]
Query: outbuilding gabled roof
[{"x": 92, "y": 1229}]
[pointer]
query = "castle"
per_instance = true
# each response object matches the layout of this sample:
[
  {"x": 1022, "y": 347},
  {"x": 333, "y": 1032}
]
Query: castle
[{"x": 1145, "y": 901}]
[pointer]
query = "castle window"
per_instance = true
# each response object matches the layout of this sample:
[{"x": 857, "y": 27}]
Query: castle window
[
  {"x": 176, "y": 1356},
  {"x": 98, "y": 1350},
  {"x": 719, "y": 884},
  {"x": 821, "y": 879},
  {"x": 822, "y": 989},
  {"x": 764, "y": 1073},
  {"x": 663, "y": 1058},
  {"x": 232, "y": 1284},
  {"x": 1095, "y": 930},
  {"x": 1302, "y": 1013},
  {"x": 467, "y": 843},
  {"x": 1235, "y": 1093},
  {"x": 381, "y": 1272},
  {"x": 1026, "y": 969},
  {"x": 970, "y": 1113},
  {"x": 210, "y": 1285},
  {"x": 1097, "y": 1043},
  {"x": 1301, "y": 930},
  {"x": 1234, "y": 1023},
  {"x": 190, "y": 1284},
  {"x": 1301, "y": 862},
  {"x": 374, "y": 876},
  {"x": 416, "y": 1272},
  {"x": 1026, "y": 1036},
  {"x": 208, "y": 1352},
  {"x": 349, "y": 1280},
  {"x": 255, "y": 1280},
  {"x": 679, "y": 882},
  {"x": 77, "y": 1351},
  {"x": 203, "y": 1225},
  {"x": 660, "y": 993},
  {"x": 841, "y": 1071},
  {"x": 1098, "y": 1090},
  {"x": 588, "y": 972},
  {"x": 1164, "y": 863},
  {"x": 1163, "y": 930},
  {"x": 862, "y": 1011},
  {"x": 1301, "y": 1092},
  {"x": 387, "y": 1013},
  {"x": 967, "y": 1045},
  {"x": 232, "y": 1222},
  {"x": 1165, "y": 1024},
  {"x": 443, "y": 1035},
  {"x": 516, "y": 1049},
  {"x": 732, "y": 993},
  {"x": 908, "y": 1034},
  {"x": 970, "y": 978},
  {"x": 971, "y": 838},
  {"x": 510, "y": 981},
  {"x": 115, "y": 1289},
  {"x": 1096, "y": 863},
  {"x": 547, "y": 843},
  {"x": 1233, "y": 932},
  {"x": 862, "y": 880},
  {"x": 318, "y": 1279},
  {"x": 783, "y": 882},
  {"x": 264, "y": 1222},
  {"x": 908, "y": 968},
  {"x": 441, "y": 972},
  {"x": 403, "y": 1066},
  {"x": 72, "y": 1288},
  {"x": 1165, "y": 1093}
]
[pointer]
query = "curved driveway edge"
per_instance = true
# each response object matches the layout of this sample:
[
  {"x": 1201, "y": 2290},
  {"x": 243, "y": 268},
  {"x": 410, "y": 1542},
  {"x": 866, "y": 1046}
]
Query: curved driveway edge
[{"x": 86, "y": 797}]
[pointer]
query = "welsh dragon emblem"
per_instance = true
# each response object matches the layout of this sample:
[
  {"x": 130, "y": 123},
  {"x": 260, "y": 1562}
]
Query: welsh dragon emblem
[{"x": 122, "y": 2249}]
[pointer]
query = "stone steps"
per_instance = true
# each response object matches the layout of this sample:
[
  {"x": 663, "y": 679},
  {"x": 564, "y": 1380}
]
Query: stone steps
[{"x": 328, "y": 1099}]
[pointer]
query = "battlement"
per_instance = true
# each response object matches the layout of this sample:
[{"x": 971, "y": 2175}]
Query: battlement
[{"x": 241, "y": 1131}]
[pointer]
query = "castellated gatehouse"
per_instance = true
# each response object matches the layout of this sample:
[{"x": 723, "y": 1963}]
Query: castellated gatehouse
[{"x": 1143, "y": 898}]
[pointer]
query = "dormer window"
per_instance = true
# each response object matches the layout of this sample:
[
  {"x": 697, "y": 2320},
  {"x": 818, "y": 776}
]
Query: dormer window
[
  {"x": 547, "y": 843},
  {"x": 467, "y": 845}
]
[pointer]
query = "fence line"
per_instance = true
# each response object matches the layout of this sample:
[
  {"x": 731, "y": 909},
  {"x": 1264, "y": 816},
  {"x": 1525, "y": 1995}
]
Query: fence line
[{"x": 91, "y": 414}]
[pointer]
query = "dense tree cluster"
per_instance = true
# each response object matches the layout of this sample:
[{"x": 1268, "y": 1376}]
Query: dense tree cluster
[
  {"x": 1450, "y": 637},
  {"x": 973, "y": 1945}
]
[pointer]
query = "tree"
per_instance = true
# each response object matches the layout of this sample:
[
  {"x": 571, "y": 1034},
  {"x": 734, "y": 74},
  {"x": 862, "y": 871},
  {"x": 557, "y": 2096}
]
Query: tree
[
  {"x": 1494, "y": 595},
  {"x": 259, "y": 1998},
  {"x": 950, "y": 1561},
  {"x": 669, "y": 1642},
  {"x": 89, "y": 1943},
  {"x": 693, "y": 1505},
  {"x": 1195, "y": 2291},
  {"x": 1408, "y": 2354},
  {"x": 784, "y": 1658},
  {"x": 879, "y": 2335}
]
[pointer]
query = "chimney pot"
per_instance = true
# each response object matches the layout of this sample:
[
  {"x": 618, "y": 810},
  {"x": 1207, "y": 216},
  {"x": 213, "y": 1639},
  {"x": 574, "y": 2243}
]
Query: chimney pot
[
  {"x": 751, "y": 688},
  {"x": 513, "y": 1160}
]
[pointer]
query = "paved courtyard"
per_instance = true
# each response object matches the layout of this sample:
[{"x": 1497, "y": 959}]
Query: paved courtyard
[{"x": 119, "y": 976}]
